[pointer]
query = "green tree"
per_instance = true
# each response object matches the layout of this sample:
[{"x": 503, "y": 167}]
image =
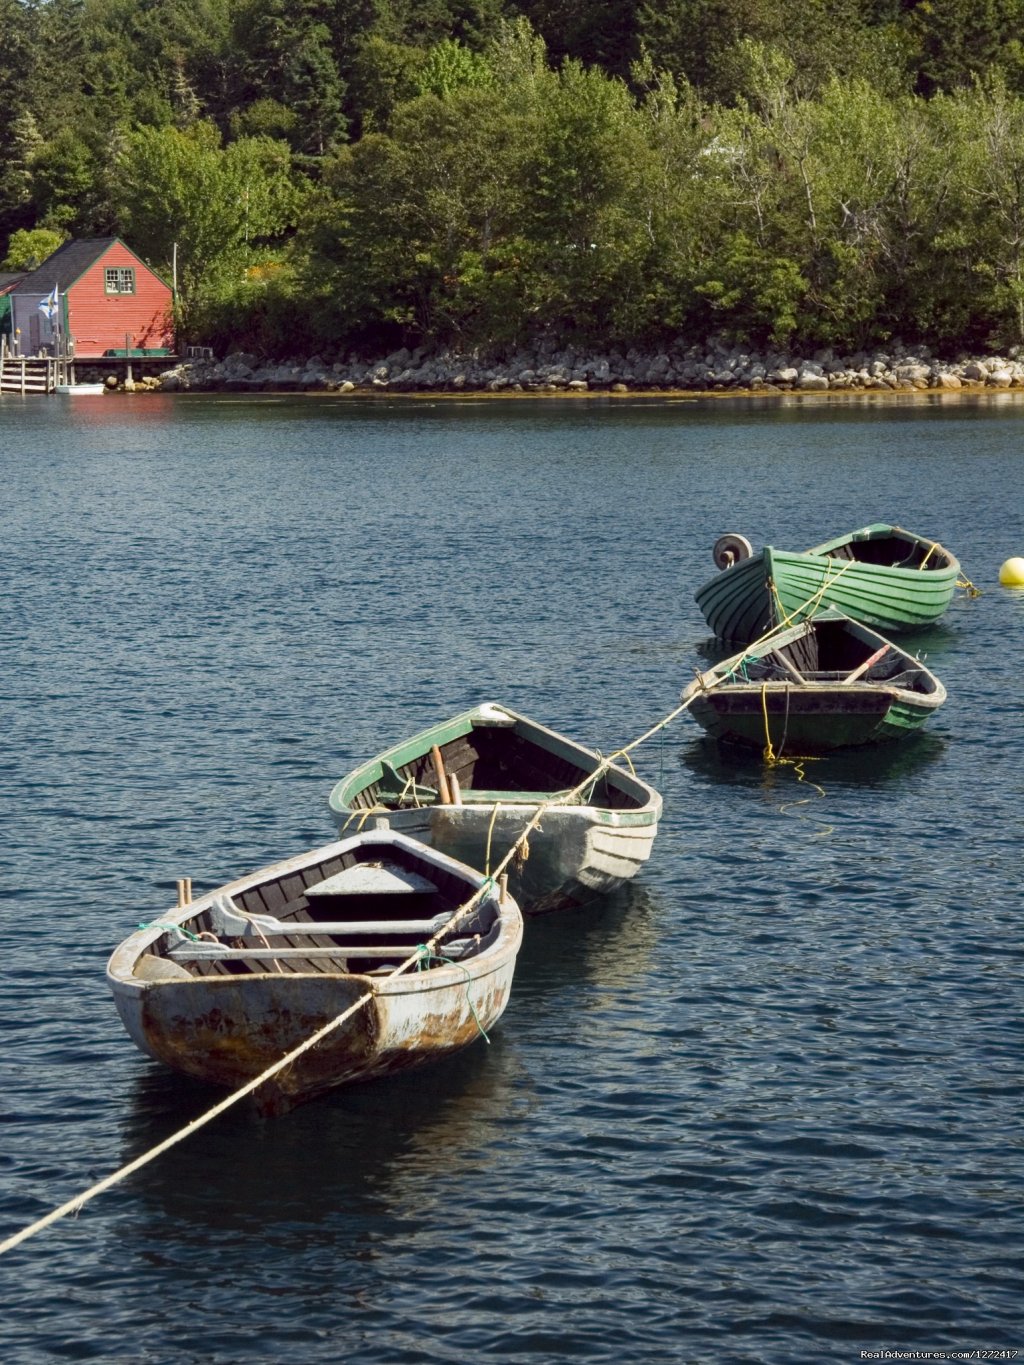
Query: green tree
[
  {"x": 603, "y": 33},
  {"x": 215, "y": 203},
  {"x": 583, "y": 173},
  {"x": 982, "y": 135},
  {"x": 65, "y": 189},
  {"x": 29, "y": 248},
  {"x": 960, "y": 42},
  {"x": 289, "y": 59},
  {"x": 449, "y": 66},
  {"x": 383, "y": 75}
]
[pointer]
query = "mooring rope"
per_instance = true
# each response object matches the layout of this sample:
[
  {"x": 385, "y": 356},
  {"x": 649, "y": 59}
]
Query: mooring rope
[
  {"x": 562, "y": 798},
  {"x": 813, "y": 602}
]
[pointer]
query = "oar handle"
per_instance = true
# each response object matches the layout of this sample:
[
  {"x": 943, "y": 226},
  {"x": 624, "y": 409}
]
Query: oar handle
[
  {"x": 444, "y": 791},
  {"x": 863, "y": 668}
]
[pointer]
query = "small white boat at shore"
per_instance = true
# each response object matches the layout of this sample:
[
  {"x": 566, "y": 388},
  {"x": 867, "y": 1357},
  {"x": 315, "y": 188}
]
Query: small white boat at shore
[{"x": 80, "y": 390}]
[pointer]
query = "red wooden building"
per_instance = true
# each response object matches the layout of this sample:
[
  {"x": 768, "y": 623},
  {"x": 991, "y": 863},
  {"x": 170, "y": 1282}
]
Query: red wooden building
[{"x": 107, "y": 301}]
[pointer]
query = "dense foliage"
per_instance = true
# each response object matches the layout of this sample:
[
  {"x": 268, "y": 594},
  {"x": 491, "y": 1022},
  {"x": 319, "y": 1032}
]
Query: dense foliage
[{"x": 339, "y": 173}]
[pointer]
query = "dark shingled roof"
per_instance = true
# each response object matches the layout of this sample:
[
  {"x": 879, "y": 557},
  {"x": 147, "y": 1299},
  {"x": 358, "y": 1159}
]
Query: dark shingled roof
[
  {"x": 65, "y": 266},
  {"x": 9, "y": 277}
]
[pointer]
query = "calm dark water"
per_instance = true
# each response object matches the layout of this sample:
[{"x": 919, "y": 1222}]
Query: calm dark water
[{"x": 765, "y": 1105}]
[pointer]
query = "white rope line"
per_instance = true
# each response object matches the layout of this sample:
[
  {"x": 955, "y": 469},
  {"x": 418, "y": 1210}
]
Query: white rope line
[
  {"x": 73, "y": 1205},
  {"x": 566, "y": 798}
]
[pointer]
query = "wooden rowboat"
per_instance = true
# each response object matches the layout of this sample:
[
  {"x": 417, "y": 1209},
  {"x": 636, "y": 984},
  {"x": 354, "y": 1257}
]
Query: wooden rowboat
[
  {"x": 472, "y": 784},
  {"x": 822, "y": 684},
  {"x": 882, "y": 575},
  {"x": 225, "y": 986}
]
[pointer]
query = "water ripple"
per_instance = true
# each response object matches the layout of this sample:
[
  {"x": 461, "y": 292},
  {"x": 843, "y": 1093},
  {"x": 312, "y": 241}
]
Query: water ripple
[{"x": 764, "y": 1105}]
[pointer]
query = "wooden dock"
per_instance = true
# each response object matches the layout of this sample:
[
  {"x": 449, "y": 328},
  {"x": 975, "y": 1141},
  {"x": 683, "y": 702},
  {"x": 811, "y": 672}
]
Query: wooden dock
[{"x": 33, "y": 373}]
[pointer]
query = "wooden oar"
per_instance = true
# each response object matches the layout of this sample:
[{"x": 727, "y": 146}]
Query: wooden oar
[
  {"x": 784, "y": 662},
  {"x": 444, "y": 791},
  {"x": 863, "y": 668}
]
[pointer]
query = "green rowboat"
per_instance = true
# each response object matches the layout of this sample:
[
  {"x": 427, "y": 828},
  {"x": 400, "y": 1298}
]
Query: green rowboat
[
  {"x": 825, "y": 683},
  {"x": 470, "y": 786},
  {"x": 882, "y": 575}
]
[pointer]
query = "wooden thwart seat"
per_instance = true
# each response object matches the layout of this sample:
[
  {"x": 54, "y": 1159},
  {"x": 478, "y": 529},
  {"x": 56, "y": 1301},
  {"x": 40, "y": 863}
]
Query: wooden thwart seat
[
  {"x": 228, "y": 920},
  {"x": 207, "y": 951}
]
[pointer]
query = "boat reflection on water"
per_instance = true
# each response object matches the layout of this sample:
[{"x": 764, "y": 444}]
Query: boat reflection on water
[
  {"x": 722, "y": 764},
  {"x": 613, "y": 939},
  {"x": 340, "y": 1152}
]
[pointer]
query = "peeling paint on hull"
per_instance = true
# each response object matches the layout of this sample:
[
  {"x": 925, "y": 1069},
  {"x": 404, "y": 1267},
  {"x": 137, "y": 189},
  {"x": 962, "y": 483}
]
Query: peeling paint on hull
[{"x": 227, "y": 1029}]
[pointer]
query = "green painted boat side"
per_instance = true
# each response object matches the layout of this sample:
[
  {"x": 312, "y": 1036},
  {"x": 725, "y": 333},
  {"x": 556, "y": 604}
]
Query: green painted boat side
[
  {"x": 775, "y": 586},
  {"x": 753, "y": 699}
]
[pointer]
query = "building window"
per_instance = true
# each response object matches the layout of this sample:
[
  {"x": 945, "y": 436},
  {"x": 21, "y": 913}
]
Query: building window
[{"x": 119, "y": 279}]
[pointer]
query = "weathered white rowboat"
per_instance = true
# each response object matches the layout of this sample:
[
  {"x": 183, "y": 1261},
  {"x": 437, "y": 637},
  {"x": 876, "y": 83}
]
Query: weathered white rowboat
[
  {"x": 227, "y": 985},
  {"x": 471, "y": 785}
]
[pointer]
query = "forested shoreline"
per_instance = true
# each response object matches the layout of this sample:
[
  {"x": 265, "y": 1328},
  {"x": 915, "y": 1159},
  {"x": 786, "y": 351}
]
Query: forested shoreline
[{"x": 356, "y": 176}]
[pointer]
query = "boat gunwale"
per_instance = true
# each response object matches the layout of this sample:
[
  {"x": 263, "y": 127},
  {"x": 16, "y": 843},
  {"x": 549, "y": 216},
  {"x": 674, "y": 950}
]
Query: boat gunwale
[
  {"x": 712, "y": 680},
  {"x": 881, "y": 530},
  {"x": 370, "y": 771},
  {"x": 122, "y": 960},
  {"x": 923, "y": 700}
]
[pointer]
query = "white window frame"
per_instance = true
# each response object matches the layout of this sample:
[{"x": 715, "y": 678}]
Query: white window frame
[{"x": 119, "y": 279}]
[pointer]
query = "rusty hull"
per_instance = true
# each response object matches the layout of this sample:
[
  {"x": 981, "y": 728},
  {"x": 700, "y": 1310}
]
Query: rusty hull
[{"x": 229, "y": 1029}]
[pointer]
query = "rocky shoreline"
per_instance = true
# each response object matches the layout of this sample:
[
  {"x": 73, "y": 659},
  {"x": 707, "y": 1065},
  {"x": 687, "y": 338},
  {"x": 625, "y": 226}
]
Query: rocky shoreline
[{"x": 549, "y": 368}]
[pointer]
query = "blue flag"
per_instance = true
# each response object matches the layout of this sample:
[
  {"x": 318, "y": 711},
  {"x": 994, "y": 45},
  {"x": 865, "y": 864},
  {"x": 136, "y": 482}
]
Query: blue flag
[{"x": 49, "y": 307}]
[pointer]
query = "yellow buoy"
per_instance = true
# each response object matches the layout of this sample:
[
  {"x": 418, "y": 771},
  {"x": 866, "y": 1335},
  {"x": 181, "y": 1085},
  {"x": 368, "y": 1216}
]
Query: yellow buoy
[{"x": 1011, "y": 575}]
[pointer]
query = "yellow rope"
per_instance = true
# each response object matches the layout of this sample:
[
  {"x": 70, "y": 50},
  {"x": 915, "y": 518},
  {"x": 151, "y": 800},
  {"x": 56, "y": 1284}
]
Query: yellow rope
[
  {"x": 361, "y": 817},
  {"x": 931, "y": 550},
  {"x": 798, "y": 769},
  {"x": 773, "y": 760},
  {"x": 769, "y": 752}
]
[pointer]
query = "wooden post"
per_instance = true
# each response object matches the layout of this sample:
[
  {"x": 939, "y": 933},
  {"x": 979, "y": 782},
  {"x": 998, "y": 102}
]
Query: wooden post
[{"x": 184, "y": 892}]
